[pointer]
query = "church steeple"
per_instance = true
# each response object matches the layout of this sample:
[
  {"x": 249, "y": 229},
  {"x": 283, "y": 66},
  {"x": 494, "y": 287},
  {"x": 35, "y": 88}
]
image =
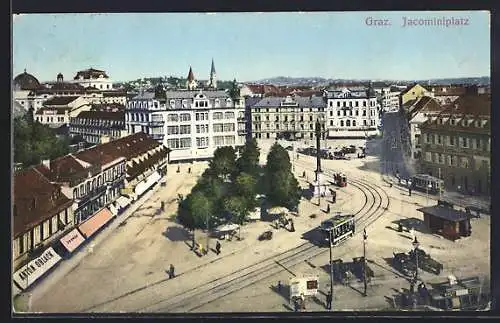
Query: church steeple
[
  {"x": 213, "y": 76},
  {"x": 190, "y": 83}
]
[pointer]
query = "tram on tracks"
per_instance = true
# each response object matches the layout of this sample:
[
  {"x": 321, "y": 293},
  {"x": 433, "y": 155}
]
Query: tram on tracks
[
  {"x": 427, "y": 183},
  {"x": 339, "y": 228}
]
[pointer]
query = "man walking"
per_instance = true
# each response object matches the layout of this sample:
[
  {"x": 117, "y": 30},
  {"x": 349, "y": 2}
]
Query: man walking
[
  {"x": 217, "y": 248},
  {"x": 171, "y": 272},
  {"x": 409, "y": 191},
  {"x": 329, "y": 300}
]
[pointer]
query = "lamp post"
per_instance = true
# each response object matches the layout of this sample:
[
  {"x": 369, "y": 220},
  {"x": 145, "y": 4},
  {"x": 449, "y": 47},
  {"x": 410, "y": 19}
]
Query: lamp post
[
  {"x": 330, "y": 240},
  {"x": 429, "y": 186},
  {"x": 416, "y": 244},
  {"x": 208, "y": 232},
  {"x": 365, "y": 237}
]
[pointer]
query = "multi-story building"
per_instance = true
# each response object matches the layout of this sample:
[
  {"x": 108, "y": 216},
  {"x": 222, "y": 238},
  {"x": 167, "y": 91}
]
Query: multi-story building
[
  {"x": 191, "y": 123},
  {"x": 57, "y": 111},
  {"x": 448, "y": 94},
  {"x": 41, "y": 214},
  {"x": 92, "y": 178},
  {"x": 287, "y": 117},
  {"x": 457, "y": 144},
  {"x": 114, "y": 97},
  {"x": 97, "y": 127},
  {"x": 412, "y": 92},
  {"x": 352, "y": 113},
  {"x": 146, "y": 161},
  {"x": 419, "y": 112},
  {"x": 382, "y": 92},
  {"x": 93, "y": 78}
]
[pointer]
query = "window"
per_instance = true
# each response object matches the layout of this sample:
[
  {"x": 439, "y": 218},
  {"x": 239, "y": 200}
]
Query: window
[
  {"x": 348, "y": 123},
  {"x": 173, "y": 143},
  {"x": 229, "y": 115},
  {"x": 172, "y": 103},
  {"x": 465, "y": 142},
  {"x": 338, "y": 113},
  {"x": 441, "y": 158},
  {"x": 478, "y": 143},
  {"x": 428, "y": 156},
  {"x": 172, "y": 130},
  {"x": 185, "y": 117},
  {"x": 341, "y": 123},
  {"x": 356, "y": 104},
  {"x": 452, "y": 141},
  {"x": 218, "y": 141},
  {"x": 330, "y": 104},
  {"x": 331, "y": 122},
  {"x": 184, "y": 103},
  {"x": 173, "y": 117},
  {"x": 229, "y": 140},
  {"x": 356, "y": 111},
  {"x": 228, "y": 127},
  {"x": 464, "y": 162},
  {"x": 185, "y": 142},
  {"x": 354, "y": 123},
  {"x": 439, "y": 139},
  {"x": 364, "y": 104},
  {"x": 185, "y": 129},
  {"x": 202, "y": 142},
  {"x": 217, "y": 127},
  {"x": 203, "y": 128}
]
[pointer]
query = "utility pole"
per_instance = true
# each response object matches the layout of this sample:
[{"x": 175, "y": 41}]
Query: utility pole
[
  {"x": 331, "y": 262},
  {"x": 416, "y": 244},
  {"x": 365, "y": 236},
  {"x": 208, "y": 232}
]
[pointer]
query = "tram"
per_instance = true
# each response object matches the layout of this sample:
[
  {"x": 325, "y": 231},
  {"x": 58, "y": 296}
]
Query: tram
[
  {"x": 340, "y": 227},
  {"x": 427, "y": 183},
  {"x": 340, "y": 179}
]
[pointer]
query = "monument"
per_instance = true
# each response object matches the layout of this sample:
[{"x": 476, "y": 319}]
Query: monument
[{"x": 319, "y": 187}]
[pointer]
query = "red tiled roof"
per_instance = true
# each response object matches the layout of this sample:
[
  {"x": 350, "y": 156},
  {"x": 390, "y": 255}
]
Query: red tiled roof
[
  {"x": 60, "y": 100},
  {"x": 479, "y": 105},
  {"x": 35, "y": 200},
  {"x": 63, "y": 169}
]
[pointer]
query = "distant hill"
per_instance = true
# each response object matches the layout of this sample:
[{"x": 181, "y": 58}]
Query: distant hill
[{"x": 320, "y": 81}]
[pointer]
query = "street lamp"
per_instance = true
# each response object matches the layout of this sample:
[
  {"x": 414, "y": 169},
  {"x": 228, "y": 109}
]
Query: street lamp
[
  {"x": 416, "y": 244},
  {"x": 330, "y": 240},
  {"x": 429, "y": 186},
  {"x": 365, "y": 237},
  {"x": 208, "y": 232}
]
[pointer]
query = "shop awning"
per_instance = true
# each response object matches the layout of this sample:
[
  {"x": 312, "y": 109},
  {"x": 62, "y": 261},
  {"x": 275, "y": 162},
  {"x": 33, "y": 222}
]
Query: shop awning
[
  {"x": 144, "y": 185},
  {"x": 123, "y": 201},
  {"x": 29, "y": 273},
  {"x": 93, "y": 224},
  {"x": 72, "y": 240}
]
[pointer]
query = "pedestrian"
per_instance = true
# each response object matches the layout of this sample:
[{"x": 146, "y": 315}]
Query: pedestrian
[
  {"x": 412, "y": 287},
  {"x": 171, "y": 271},
  {"x": 329, "y": 300},
  {"x": 217, "y": 248},
  {"x": 328, "y": 208},
  {"x": 409, "y": 191},
  {"x": 189, "y": 170},
  {"x": 178, "y": 169},
  {"x": 292, "y": 226},
  {"x": 304, "y": 174},
  {"x": 279, "y": 286},
  {"x": 296, "y": 305}
]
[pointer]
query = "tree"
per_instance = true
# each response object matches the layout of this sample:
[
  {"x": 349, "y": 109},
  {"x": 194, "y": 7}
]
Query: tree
[
  {"x": 281, "y": 186},
  {"x": 245, "y": 186},
  {"x": 196, "y": 211},
  {"x": 238, "y": 207},
  {"x": 249, "y": 158},
  {"x": 278, "y": 159},
  {"x": 224, "y": 162}
]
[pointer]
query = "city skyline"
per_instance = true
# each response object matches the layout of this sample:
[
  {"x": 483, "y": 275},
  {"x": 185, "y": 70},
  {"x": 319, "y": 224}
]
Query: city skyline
[{"x": 254, "y": 46}]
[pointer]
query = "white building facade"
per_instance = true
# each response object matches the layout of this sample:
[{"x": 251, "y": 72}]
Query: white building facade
[
  {"x": 191, "y": 123},
  {"x": 93, "y": 78},
  {"x": 352, "y": 113}
]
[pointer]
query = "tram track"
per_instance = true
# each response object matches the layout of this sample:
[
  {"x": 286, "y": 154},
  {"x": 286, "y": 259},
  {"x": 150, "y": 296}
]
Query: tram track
[{"x": 213, "y": 290}]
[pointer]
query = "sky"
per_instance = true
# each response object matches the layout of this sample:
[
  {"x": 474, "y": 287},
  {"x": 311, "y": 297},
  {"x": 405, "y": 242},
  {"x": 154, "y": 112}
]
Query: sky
[{"x": 253, "y": 46}]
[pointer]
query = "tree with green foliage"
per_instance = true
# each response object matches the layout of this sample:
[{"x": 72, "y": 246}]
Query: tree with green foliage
[
  {"x": 223, "y": 163},
  {"x": 245, "y": 186},
  {"x": 282, "y": 188},
  {"x": 34, "y": 142},
  {"x": 248, "y": 162},
  {"x": 238, "y": 207},
  {"x": 195, "y": 211}
]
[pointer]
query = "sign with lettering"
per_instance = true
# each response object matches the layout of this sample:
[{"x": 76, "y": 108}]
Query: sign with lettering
[
  {"x": 29, "y": 273},
  {"x": 72, "y": 240},
  {"x": 462, "y": 292}
]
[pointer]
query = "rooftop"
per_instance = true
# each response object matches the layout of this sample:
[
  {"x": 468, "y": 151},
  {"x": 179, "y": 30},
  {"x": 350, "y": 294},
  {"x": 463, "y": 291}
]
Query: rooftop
[
  {"x": 60, "y": 100},
  {"x": 35, "y": 200},
  {"x": 445, "y": 213},
  {"x": 102, "y": 115}
]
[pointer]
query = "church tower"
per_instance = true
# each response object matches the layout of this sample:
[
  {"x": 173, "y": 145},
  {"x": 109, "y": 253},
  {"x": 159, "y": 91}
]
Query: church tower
[
  {"x": 213, "y": 77},
  {"x": 191, "y": 82}
]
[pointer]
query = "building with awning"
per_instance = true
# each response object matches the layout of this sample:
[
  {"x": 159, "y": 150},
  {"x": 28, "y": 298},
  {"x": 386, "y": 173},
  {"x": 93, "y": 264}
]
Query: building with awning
[
  {"x": 72, "y": 240},
  {"x": 92, "y": 225},
  {"x": 446, "y": 221},
  {"x": 122, "y": 202},
  {"x": 26, "y": 275}
]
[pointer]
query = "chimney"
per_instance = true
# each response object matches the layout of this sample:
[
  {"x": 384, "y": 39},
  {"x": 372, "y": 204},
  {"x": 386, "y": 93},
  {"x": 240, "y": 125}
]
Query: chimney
[{"x": 46, "y": 163}]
